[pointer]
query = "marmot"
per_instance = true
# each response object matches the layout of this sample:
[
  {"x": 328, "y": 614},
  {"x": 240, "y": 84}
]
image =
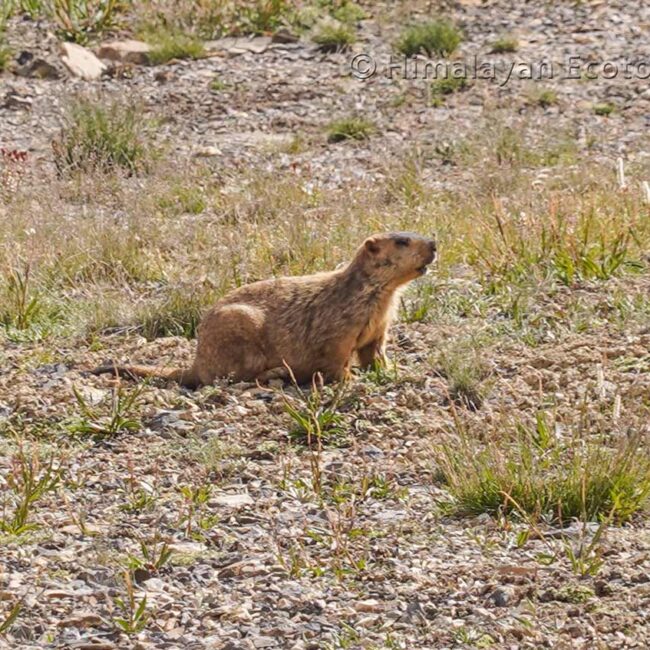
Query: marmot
[{"x": 314, "y": 323}]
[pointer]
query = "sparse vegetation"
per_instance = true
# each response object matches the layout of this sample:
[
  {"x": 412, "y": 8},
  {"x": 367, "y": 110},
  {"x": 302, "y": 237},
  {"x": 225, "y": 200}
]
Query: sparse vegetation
[
  {"x": 503, "y": 447},
  {"x": 437, "y": 37}
]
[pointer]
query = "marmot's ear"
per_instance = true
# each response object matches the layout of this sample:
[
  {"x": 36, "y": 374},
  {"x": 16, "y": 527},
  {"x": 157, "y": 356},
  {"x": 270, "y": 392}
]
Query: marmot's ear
[{"x": 371, "y": 245}]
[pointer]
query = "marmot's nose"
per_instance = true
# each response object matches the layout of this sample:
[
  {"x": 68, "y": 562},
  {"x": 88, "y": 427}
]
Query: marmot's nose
[{"x": 432, "y": 245}]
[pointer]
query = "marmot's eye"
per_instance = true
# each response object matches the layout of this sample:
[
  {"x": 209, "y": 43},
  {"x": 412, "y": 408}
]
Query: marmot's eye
[{"x": 402, "y": 241}]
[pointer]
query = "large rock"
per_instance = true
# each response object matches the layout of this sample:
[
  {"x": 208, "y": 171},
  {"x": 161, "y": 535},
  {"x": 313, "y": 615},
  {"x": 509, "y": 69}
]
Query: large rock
[
  {"x": 81, "y": 62},
  {"x": 128, "y": 51}
]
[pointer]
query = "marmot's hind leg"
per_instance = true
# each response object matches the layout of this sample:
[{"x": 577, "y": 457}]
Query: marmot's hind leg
[{"x": 231, "y": 344}]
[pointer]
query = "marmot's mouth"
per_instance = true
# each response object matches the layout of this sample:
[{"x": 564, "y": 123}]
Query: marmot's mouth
[{"x": 422, "y": 269}]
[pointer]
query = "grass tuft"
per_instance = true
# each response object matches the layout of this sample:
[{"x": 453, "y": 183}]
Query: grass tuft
[
  {"x": 504, "y": 45},
  {"x": 604, "y": 109},
  {"x": 103, "y": 137},
  {"x": 351, "y": 128},
  {"x": 438, "y": 37},
  {"x": 168, "y": 45},
  {"x": 542, "y": 473},
  {"x": 334, "y": 37}
]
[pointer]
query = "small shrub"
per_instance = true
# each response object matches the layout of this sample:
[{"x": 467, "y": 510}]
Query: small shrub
[
  {"x": 352, "y": 128},
  {"x": 504, "y": 45},
  {"x": 604, "y": 109},
  {"x": 438, "y": 37},
  {"x": 103, "y": 137},
  {"x": 167, "y": 45},
  {"x": 334, "y": 38},
  {"x": 536, "y": 473}
]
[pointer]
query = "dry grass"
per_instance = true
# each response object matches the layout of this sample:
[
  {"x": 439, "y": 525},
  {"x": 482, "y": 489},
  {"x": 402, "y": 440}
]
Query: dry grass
[{"x": 123, "y": 244}]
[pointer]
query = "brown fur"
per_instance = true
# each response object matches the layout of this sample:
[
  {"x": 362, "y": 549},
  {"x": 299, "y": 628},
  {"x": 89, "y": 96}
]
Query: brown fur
[{"x": 314, "y": 323}]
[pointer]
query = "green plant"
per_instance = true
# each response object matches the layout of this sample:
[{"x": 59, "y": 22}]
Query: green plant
[
  {"x": 134, "y": 613},
  {"x": 604, "y": 109},
  {"x": 315, "y": 415},
  {"x": 117, "y": 415},
  {"x": 167, "y": 45},
  {"x": 504, "y": 45},
  {"x": 437, "y": 37},
  {"x": 154, "y": 557},
  {"x": 11, "y": 617},
  {"x": 6, "y": 53},
  {"x": 217, "y": 85},
  {"x": 102, "y": 137},
  {"x": 334, "y": 37},
  {"x": 23, "y": 307},
  {"x": 194, "y": 520},
  {"x": 536, "y": 473},
  {"x": 79, "y": 19},
  {"x": 28, "y": 480},
  {"x": 351, "y": 128}
]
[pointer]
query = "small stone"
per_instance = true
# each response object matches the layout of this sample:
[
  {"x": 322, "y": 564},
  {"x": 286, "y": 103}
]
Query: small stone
[
  {"x": 502, "y": 596},
  {"x": 81, "y": 62},
  {"x": 234, "y": 500},
  {"x": 207, "y": 152},
  {"x": 81, "y": 620},
  {"x": 283, "y": 35},
  {"x": 264, "y": 642},
  {"x": 15, "y": 101}
]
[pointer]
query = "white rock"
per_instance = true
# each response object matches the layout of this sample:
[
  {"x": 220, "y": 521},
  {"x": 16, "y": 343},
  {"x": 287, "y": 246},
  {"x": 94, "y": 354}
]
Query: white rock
[{"x": 81, "y": 62}]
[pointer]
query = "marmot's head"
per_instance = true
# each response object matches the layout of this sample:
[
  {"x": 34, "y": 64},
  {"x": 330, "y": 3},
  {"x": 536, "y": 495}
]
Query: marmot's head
[{"x": 397, "y": 257}]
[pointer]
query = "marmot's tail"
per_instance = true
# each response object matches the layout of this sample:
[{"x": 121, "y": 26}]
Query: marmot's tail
[{"x": 184, "y": 376}]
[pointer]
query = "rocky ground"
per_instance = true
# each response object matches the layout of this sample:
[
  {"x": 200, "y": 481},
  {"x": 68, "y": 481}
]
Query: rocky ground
[{"x": 273, "y": 544}]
